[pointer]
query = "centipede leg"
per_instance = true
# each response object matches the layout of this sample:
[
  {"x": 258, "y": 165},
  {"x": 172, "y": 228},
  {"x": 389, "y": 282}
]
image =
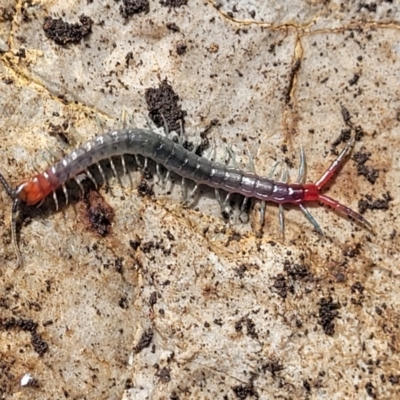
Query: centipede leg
[
  {"x": 149, "y": 123},
  {"x": 102, "y": 174},
  {"x": 251, "y": 166},
  {"x": 334, "y": 167},
  {"x": 181, "y": 133},
  {"x": 55, "y": 200},
  {"x": 91, "y": 177},
  {"x": 126, "y": 172},
  {"x": 184, "y": 190},
  {"x": 302, "y": 167},
  {"x": 158, "y": 172},
  {"x": 227, "y": 198},
  {"x": 218, "y": 197},
  {"x": 138, "y": 162},
  {"x": 346, "y": 211},
  {"x": 232, "y": 156},
  {"x": 273, "y": 169},
  {"x": 244, "y": 215},
  {"x": 192, "y": 194},
  {"x": 244, "y": 204},
  {"x": 77, "y": 179},
  {"x": 65, "y": 194},
  {"x": 166, "y": 128},
  {"x": 263, "y": 206},
  {"x": 115, "y": 173},
  {"x": 310, "y": 217},
  {"x": 166, "y": 179},
  {"x": 284, "y": 178}
]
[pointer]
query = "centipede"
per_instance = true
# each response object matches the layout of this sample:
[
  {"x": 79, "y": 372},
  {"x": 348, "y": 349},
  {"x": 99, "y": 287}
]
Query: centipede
[{"x": 164, "y": 151}]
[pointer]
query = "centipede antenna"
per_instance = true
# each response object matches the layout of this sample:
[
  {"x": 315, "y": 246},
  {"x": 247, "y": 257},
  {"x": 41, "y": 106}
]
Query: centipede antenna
[
  {"x": 65, "y": 194},
  {"x": 330, "y": 172},
  {"x": 302, "y": 167},
  {"x": 14, "y": 211},
  {"x": 310, "y": 217},
  {"x": 10, "y": 191}
]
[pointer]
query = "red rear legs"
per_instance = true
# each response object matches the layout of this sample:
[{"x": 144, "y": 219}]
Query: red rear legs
[{"x": 312, "y": 191}]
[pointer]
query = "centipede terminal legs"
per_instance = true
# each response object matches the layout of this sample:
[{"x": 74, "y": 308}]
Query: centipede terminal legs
[
  {"x": 325, "y": 178},
  {"x": 301, "y": 177},
  {"x": 284, "y": 179}
]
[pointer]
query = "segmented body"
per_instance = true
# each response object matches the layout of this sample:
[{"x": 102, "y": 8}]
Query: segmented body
[
  {"x": 173, "y": 157},
  {"x": 187, "y": 164}
]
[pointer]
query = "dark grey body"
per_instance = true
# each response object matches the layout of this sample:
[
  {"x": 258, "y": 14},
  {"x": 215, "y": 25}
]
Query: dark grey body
[{"x": 175, "y": 158}]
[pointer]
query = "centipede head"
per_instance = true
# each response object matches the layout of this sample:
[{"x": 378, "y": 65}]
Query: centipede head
[{"x": 13, "y": 193}]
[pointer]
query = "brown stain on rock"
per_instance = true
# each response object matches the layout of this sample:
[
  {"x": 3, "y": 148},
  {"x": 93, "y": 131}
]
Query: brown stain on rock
[{"x": 96, "y": 214}]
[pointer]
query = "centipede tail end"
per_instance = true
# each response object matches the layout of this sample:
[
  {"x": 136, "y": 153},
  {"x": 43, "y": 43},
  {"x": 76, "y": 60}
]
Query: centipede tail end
[{"x": 312, "y": 191}]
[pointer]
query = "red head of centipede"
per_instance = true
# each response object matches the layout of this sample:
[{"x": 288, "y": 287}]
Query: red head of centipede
[{"x": 34, "y": 190}]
